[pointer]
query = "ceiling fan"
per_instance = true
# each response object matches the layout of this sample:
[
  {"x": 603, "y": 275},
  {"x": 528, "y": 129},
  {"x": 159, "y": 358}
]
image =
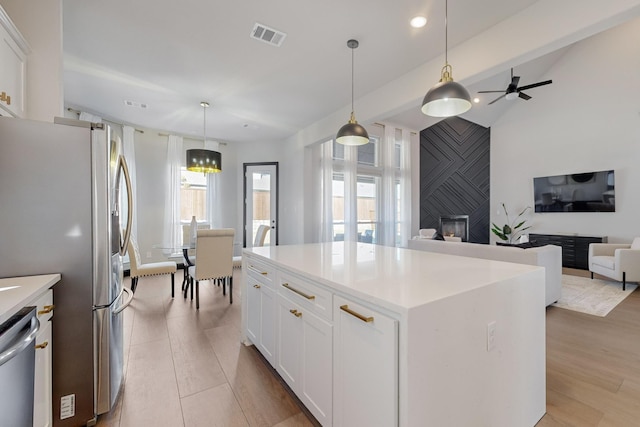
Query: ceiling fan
[{"x": 513, "y": 91}]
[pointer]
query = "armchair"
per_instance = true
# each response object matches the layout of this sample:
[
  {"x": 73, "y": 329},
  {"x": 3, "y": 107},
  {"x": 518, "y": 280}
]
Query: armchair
[{"x": 620, "y": 262}]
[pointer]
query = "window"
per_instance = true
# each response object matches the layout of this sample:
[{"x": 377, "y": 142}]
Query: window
[
  {"x": 369, "y": 189},
  {"x": 193, "y": 196}
]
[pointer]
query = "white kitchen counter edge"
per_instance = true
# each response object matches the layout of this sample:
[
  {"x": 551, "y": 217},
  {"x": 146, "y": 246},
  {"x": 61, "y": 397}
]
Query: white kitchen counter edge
[{"x": 17, "y": 292}]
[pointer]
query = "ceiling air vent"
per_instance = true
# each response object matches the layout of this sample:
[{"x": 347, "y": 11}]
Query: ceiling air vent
[
  {"x": 135, "y": 104},
  {"x": 267, "y": 35}
]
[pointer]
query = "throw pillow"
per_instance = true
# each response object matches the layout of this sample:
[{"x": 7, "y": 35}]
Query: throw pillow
[{"x": 438, "y": 236}]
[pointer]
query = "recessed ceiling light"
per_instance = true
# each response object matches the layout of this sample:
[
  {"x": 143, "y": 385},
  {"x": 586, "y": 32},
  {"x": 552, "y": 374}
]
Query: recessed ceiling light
[
  {"x": 418, "y": 21},
  {"x": 476, "y": 100}
]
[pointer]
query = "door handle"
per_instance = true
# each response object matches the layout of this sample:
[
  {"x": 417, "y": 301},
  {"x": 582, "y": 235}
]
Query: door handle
[
  {"x": 23, "y": 342},
  {"x": 126, "y": 303},
  {"x": 122, "y": 165}
]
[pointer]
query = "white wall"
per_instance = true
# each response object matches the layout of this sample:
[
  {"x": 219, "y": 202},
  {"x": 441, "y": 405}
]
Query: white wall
[{"x": 587, "y": 120}]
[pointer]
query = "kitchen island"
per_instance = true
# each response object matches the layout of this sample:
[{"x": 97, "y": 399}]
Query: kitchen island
[{"x": 381, "y": 336}]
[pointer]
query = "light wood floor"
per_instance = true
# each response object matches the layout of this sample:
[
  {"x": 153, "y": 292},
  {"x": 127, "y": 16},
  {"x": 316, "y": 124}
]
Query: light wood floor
[
  {"x": 188, "y": 368},
  {"x": 185, "y": 367}
]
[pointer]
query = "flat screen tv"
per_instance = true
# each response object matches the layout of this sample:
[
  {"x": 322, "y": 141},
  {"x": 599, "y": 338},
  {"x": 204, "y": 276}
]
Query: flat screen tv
[{"x": 577, "y": 192}]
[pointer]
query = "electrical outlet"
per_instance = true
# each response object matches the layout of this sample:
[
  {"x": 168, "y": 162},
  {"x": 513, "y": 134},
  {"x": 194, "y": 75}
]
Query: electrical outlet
[
  {"x": 149, "y": 254},
  {"x": 491, "y": 335}
]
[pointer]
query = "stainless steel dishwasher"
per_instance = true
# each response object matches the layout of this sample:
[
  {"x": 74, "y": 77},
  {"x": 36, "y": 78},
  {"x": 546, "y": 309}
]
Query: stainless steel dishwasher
[{"x": 17, "y": 368}]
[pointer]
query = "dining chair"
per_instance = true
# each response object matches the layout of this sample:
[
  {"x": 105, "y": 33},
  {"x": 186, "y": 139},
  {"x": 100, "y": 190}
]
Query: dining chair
[
  {"x": 261, "y": 234},
  {"x": 214, "y": 260},
  {"x": 190, "y": 258},
  {"x": 137, "y": 269}
]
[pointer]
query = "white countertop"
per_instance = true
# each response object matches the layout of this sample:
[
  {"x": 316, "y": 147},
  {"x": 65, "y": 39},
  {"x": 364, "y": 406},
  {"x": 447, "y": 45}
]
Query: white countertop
[
  {"x": 16, "y": 292},
  {"x": 394, "y": 277}
]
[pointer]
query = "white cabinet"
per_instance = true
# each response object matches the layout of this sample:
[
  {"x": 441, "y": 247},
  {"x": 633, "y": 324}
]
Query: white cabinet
[
  {"x": 42, "y": 399},
  {"x": 304, "y": 356},
  {"x": 365, "y": 369},
  {"x": 261, "y": 317},
  {"x": 13, "y": 59}
]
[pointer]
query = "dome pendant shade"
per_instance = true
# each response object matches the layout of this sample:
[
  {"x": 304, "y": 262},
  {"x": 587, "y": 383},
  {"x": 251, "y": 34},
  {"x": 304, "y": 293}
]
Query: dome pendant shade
[
  {"x": 446, "y": 99},
  {"x": 352, "y": 133},
  {"x": 205, "y": 161}
]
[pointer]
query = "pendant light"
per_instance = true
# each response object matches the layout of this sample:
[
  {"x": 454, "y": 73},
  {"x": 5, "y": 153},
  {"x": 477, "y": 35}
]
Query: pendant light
[
  {"x": 447, "y": 98},
  {"x": 352, "y": 133},
  {"x": 203, "y": 160}
]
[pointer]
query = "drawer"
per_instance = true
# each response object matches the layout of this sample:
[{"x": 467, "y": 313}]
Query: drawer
[
  {"x": 45, "y": 306},
  {"x": 261, "y": 271},
  {"x": 308, "y": 295}
]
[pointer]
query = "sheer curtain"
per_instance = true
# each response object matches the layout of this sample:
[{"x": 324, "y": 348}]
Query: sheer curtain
[
  {"x": 214, "y": 209},
  {"x": 326, "y": 192},
  {"x": 172, "y": 233},
  {"x": 393, "y": 194}
]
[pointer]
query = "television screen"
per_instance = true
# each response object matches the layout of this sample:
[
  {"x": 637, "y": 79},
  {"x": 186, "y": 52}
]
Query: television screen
[{"x": 578, "y": 192}]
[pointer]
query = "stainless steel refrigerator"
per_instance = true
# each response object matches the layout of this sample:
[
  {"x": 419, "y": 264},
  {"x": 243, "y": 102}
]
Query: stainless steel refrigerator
[{"x": 62, "y": 188}]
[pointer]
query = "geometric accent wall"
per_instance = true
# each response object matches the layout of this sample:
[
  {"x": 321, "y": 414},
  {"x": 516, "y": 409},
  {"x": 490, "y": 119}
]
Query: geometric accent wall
[{"x": 454, "y": 175}]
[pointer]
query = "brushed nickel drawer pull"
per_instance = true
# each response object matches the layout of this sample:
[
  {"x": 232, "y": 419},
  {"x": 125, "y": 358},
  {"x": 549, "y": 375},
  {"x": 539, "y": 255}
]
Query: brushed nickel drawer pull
[
  {"x": 295, "y": 313},
  {"x": 46, "y": 309},
  {"x": 43, "y": 345},
  {"x": 256, "y": 286},
  {"x": 310, "y": 297},
  {"x": 358, "y": 315}
]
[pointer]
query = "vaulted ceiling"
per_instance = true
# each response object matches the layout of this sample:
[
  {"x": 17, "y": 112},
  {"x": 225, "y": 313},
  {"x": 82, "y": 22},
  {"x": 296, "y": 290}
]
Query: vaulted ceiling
[{"x": 151, "y": 62}]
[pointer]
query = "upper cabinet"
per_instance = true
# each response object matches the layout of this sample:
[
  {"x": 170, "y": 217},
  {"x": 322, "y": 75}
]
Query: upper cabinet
[{"x": 13, "y": 68}]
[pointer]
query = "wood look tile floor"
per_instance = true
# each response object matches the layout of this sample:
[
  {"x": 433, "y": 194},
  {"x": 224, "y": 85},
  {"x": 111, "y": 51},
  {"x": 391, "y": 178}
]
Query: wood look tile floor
[{"x": 188, "y": 368}]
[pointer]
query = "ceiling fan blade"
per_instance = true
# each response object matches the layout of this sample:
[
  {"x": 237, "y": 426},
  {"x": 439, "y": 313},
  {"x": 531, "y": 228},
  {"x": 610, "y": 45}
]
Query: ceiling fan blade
[
  {"x": 497, "y": 99},
  {"x": 531, "y": 86},
  {"x": 490, "y": 91},
  {"x": 515, "y": 80},
  {"x": 524, "y": 96}
]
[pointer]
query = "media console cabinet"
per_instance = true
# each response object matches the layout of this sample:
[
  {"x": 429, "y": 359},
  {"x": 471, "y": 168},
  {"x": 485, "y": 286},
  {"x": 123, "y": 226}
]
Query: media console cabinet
[
  {"x": 575, "y": 247},
  {"x": 369, "y": 335}
]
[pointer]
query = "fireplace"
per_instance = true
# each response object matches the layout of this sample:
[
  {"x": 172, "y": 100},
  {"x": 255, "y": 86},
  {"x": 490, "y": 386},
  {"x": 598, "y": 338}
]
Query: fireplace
[{"x": 455, "y": 225}]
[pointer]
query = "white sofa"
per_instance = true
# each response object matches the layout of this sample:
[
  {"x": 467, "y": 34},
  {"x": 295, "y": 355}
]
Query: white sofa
[{"x": 549, "y": 257}]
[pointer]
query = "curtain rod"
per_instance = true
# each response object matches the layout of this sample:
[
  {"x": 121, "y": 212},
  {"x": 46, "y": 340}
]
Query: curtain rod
[{"x": 106, "y": 120}]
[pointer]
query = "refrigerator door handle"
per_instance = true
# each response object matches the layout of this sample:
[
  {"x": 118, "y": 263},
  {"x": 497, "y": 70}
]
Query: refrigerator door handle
[
  {"x": 122, "y": 165},
  {"x": 126, "y": 303},
  {"x": 23, "y": 342}
]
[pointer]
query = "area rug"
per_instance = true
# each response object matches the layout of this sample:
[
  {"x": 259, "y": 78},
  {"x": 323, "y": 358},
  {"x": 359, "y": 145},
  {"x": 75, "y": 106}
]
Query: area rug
[{"x": 592, "y": 296}]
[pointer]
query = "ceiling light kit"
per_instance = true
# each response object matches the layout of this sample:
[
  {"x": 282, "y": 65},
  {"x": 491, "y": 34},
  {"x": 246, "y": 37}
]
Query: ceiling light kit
[
  {"x": 203, "y": 160},
  {"x": 513, "y": 91},
  {"x": 352, "y": 133},
  {"x": 447, "y": 98}
]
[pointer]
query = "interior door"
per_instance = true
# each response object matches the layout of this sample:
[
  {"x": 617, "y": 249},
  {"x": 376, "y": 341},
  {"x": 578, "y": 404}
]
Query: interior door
[{"x": 261, "y": 201}]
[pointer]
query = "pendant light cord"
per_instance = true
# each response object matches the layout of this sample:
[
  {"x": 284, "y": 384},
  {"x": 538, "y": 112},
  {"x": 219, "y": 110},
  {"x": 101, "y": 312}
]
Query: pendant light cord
[
  {"x": 352, "y": 49},
  {"x": 446, "y": 32}
]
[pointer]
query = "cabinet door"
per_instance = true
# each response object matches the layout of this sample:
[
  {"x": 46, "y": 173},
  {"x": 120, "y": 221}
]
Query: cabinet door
[
  {"x": 305, "y": 357},
  {"x": 267, "y": 342},
  {"x": 261, "y": 312},
  {"x": 12, "y": 75},
  {"x": 289, "y": 339},
  {"x": 365, "y": 366},
  {"x": 42, "y": 411},
  {"x": 316, "y": 367}
]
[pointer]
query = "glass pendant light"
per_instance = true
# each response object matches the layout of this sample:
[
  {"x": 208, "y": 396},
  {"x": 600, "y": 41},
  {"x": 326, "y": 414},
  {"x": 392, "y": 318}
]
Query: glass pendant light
[
  {"x": 203, "y": 160},
  {"x": 352, "y": 133},
  {"x": 447, "y": 98}
]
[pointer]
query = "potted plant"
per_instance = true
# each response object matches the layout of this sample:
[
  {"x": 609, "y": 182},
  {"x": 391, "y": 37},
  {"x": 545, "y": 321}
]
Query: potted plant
[{"x": 511, "y": 231}]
